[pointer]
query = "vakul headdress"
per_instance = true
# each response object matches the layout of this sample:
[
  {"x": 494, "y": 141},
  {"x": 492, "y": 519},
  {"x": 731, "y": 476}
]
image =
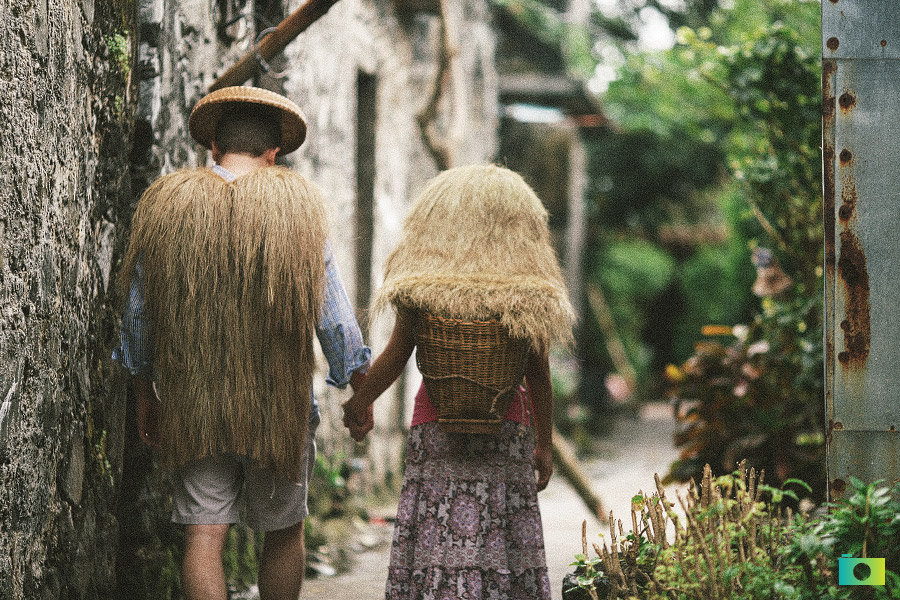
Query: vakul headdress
[{"x": 476, "y": 246}]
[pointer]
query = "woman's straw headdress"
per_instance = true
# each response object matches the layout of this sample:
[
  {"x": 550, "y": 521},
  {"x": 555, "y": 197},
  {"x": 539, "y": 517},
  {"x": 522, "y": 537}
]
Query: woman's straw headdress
[
  {"x": 233, "y": 281},
  {"x": 207, "y": 112},
  {"x": 475, "y": 246}
]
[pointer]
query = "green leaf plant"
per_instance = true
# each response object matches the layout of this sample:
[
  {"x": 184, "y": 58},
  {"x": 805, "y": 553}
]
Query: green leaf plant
[{"x": 734, "y": 537}]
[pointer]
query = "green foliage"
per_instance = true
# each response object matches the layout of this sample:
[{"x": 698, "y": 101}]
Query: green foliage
[
  {"x": 243, "y": 548},
  {"x": 585, "y": 569},
  {"x": 865, "y": 524},
  {"x": 550, "y": 27},
  {"x": 633, "y": 273},
  {"x": 118, "y": 49},
  {"x": 771, "y": 75},
  {"x": 715, "y": 286},
  {"x": 735, "y": 539},
  {"x": 759, "y": 397},
  {"x": 328, "y": 485},
  {"x": 642, "y": 178}
]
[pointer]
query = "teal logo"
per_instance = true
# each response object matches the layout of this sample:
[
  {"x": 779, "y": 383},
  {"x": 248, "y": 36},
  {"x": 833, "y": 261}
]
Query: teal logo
[{"x": 860, "y": 571}]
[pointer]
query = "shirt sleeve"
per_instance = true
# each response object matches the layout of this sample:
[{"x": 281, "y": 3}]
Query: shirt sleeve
[
  {"x": 135, "y": 351},
  {"x": 338, "y": 331}
]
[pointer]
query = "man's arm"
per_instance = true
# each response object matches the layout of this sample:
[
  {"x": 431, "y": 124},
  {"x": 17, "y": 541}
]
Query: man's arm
[
  {"x": 341, "y": 338},
  {"x": 147, "y": 410},
  {"x": 135, "y": 353}
]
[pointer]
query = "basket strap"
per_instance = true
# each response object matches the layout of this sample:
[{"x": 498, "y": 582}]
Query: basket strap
[{"x": 479, "y": 384}]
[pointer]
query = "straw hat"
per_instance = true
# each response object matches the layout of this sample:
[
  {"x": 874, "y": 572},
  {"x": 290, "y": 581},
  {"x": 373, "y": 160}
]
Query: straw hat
[{"x": 209, "y": 109}]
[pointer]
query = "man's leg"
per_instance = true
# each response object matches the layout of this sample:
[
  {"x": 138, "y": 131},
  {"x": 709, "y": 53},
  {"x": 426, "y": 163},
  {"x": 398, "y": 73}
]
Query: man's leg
[
  {"x": 202, "y": 573},
  {"x": 282, "y": 565}
]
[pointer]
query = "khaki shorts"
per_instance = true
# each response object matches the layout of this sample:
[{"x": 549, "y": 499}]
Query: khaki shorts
[{"x": 211, "y": 491}]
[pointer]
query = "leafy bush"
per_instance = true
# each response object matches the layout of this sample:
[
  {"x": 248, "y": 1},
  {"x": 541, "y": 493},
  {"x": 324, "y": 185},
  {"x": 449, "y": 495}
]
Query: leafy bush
[
  {"x": 735, "y": 539},
  {"x": 757, "y": 397},
  {"x": 760, "y": 395}
]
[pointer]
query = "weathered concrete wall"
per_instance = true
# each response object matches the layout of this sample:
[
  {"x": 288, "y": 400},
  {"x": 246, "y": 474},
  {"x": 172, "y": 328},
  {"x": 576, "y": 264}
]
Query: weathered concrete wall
[
  {"x": 64, "y": 186},
  {"x": 399, "y": 51}
]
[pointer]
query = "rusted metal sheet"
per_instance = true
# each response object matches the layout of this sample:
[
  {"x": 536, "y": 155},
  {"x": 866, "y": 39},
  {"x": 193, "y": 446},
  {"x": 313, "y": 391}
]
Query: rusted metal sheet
[
  {"x": 860, "y": 29},
  {"x": 861, "y": 193},
  {"x": 880, "y": 460}
]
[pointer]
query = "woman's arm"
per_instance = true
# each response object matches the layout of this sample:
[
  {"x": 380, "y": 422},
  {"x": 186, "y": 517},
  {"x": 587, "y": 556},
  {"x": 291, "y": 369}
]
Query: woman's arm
[
  {"x": 540, "y": 389},
  {"x": 383, "y": 372}
]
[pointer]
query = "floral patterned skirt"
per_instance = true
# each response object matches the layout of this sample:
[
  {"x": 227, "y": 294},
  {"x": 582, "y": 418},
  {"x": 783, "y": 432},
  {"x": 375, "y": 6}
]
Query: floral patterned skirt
[{"x": 468, "y": 525}]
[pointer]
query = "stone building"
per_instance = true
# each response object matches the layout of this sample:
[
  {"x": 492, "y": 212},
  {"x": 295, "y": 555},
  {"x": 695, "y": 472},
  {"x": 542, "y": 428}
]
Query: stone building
[{"x": 95, "y": 98}]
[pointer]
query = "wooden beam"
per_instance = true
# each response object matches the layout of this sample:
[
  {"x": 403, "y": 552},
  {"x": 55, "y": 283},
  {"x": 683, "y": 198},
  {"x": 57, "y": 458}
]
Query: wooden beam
[{"x": 294, "y": 24}]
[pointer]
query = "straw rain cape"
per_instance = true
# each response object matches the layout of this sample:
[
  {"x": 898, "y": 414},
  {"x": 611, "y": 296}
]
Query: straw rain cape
[
  {"x": 476, "y": 246},
  {"x": 234, "y": 276}
]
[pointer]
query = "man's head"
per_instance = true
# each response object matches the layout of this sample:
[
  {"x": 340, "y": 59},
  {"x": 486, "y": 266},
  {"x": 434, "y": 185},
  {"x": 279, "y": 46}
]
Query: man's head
[
  {"x": 248, "y": 129},
  {"x": 247, "y": 120}
]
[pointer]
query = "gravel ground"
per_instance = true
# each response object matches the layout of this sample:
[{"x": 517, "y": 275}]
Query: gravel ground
[{"x": 626, "y": 460}]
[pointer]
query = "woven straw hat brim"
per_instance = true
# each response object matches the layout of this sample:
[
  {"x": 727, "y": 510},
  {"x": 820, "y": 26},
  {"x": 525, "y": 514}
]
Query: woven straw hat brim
[{"x": 209, "y": 109}]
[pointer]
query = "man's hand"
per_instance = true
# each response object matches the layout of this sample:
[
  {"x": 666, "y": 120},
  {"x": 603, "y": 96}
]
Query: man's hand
[
  {"x": 359, "y": 422},
  {"x": 543, "y": 464},
  {"x": 147, "y": 412}
]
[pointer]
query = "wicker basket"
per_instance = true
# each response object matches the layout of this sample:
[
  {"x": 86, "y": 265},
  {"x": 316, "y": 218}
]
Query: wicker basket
[{"x": 472, "y": 370}]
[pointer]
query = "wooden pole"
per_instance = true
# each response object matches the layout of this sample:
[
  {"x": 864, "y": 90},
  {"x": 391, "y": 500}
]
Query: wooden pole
[
  {"x": 567, "y": 462},
  {"x": 614, "y": 344},
  {"x": 295, "y": 23}
]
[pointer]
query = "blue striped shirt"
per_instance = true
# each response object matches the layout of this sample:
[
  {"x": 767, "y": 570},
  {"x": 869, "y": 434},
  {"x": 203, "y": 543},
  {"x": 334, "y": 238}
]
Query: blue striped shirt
[{"x": 337, "y": 329}]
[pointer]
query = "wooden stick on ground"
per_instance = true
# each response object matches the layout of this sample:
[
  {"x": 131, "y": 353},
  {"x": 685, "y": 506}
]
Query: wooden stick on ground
[
  {"x": 564, "y": 457},
  {"x": 275, "y": 42}
]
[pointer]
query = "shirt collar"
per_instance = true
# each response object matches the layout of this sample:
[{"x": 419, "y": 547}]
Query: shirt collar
[{"x": 224, "y": 173}]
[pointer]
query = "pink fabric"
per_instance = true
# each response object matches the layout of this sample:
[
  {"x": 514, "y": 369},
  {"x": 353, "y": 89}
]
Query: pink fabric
[{"x": 424, "y": 412}]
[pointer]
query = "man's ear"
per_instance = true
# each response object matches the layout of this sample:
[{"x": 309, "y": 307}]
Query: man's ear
[
  {"x": 216, "y": 151},
  {"x": 270, "y": 155}
]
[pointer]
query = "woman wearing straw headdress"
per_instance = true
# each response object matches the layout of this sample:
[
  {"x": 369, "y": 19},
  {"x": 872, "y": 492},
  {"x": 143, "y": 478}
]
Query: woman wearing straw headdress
[
  {"x": 478, "y": 291},
  {"x": 229, "y": 278}
]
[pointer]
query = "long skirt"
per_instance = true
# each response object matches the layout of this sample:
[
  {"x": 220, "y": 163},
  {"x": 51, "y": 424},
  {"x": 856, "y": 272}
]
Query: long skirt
[{"x": 468, "y": 525}]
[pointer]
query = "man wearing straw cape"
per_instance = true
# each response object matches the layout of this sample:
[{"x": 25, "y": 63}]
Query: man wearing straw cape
[{"x": 229, "y": 276}]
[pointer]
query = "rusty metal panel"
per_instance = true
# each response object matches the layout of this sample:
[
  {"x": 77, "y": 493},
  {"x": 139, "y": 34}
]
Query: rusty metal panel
[
  {"x": 860, "y": 29},
  {"x": 879, "y": 460},
  {"x": 861, "y": 154}
]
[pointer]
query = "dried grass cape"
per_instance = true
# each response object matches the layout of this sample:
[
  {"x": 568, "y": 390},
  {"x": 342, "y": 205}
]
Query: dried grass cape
[
  {"x": 234, "y": 276},
  {"x": 476, "y": 246}
]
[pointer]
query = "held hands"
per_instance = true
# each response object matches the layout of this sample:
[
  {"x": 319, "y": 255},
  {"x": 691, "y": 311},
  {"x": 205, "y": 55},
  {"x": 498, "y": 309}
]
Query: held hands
[
  {"x": 543, "y": 464},
  {"x": 359, "y": 421}
]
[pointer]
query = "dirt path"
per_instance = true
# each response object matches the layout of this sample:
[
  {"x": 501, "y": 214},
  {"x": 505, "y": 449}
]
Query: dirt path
[{"x": 628, "y": 457}]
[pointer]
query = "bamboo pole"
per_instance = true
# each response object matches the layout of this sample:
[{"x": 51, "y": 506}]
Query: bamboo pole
[{"x": 295, "y": 23}]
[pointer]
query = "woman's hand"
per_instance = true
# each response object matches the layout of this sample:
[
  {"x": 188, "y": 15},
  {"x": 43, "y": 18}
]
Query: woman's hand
[
  {"x": 359, "y": 421},
  {"x": 543, "y": 464}
]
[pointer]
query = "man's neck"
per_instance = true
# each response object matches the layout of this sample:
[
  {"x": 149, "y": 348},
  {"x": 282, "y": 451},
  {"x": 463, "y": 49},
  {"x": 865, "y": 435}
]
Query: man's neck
[{"x": 241, "y": 164}]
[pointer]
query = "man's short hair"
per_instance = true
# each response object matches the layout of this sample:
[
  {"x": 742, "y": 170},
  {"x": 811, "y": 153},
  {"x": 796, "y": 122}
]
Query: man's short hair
[{"x": 248, "y": 129}]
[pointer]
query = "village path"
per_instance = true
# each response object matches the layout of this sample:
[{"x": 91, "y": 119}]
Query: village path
[{"x": 635, "y": 449}]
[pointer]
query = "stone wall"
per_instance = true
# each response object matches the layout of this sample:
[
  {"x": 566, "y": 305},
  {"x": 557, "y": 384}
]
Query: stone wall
[
  {"x": 65, "y": 136},
  {"x": 94, "y": 101}
]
